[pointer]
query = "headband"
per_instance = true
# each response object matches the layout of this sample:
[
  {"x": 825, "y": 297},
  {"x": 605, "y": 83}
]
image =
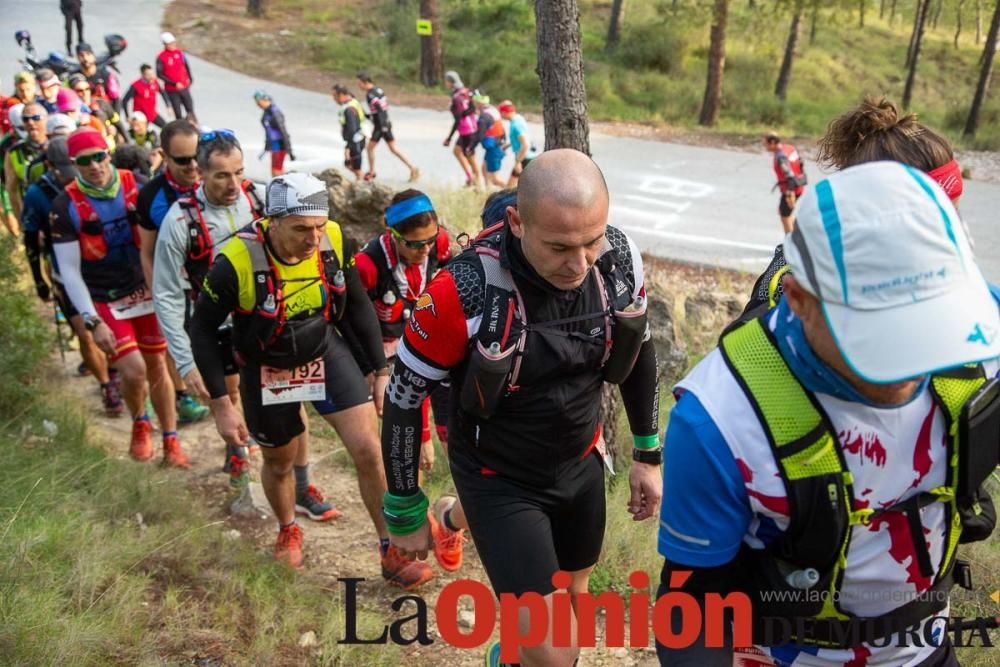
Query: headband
[
  {"x": 407, "y": 208},
  {"x": 949, "y": 177}
]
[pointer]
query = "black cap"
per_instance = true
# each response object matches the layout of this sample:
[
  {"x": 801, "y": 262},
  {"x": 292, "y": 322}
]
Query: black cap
[
  {"x": 84, "y": 47},
  {"x": 364, "y": 76}
]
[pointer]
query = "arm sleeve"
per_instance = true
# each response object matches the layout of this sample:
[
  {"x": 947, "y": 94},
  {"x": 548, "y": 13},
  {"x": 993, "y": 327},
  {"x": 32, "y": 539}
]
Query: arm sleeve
[
  {"x": 641, "y": 393},
  {"x": 169, "y": 289},
  {"x": 352, "y": 124},
  {"x": 187, "y": 68},
  {"x": 68, "y": 256},
  {"x": 218, "y": 298},
  {"x": 706, "y": 510},
  {"x": 278, "y": 118},
  {"x": 161, "y": 74},
  {"x": 362, "y": 320},
  {"x": 66, "y": 246},
  {"x": 129, "y": 94},
  {"x": 434, "y": 341}
]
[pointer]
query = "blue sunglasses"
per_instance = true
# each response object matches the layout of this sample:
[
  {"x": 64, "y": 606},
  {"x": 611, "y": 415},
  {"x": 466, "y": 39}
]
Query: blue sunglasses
[{"x": 215, "y": 134}]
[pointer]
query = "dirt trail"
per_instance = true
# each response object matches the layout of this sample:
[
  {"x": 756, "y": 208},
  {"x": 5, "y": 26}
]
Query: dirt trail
[{"x": 345, "y": 547}]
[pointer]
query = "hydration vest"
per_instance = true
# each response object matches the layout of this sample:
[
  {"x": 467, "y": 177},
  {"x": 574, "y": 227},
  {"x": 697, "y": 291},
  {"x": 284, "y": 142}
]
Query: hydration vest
[
  {"x": 198, "y": 259},
  {"x": 93, "y": 230},
  {"x": 264, "y": 334},
  {"x": 795, "y": 163},
  {"x": 383, "y": 255},
  {"x": 499, "y": 344},
  {"x": 820, "y": 492},
  {"x": 23, "y": 158}
]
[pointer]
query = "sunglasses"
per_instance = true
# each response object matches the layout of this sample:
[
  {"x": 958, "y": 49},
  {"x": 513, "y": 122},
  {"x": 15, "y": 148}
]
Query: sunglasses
[
  {"x": 95, "y": 158},
  {"x": 415, "y": 244},
  {"x": 183, "y": 160},
  {"x": 35, "y": 117},
  {"x": 215, "y": 134}
]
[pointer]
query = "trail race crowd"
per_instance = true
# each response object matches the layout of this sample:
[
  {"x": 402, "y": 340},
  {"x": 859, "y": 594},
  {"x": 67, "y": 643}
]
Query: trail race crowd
[{"x": 838, "y": 440}]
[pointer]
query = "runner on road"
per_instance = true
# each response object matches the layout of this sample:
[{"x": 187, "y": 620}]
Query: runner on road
[
  {"x": 277, "y": 141},
  {"x": 351, "y": 115},
  {"x": 529, "y": 323},
  {"x": 520, "y": 141},
  {"x": 143, "y": 94},
  {"x": 464, "y": 113},
  {"x": 173, "y": 68},
  {"x": 97, "y": 247},
  {"x": 378, "y": 114},
  {"x": 284, "y": 280},
  {"x": 791, "y": 178},
  {"x": 491, "y": 134}
]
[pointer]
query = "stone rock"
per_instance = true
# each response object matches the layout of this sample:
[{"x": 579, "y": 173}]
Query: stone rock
[
  {"x": 285, "y": 32},
  {"x": 708, "y": 311},
  {"x": 307, "y": 639},
  {"x": 620, "y": 653},
  {"x": 357, "y": 205},
  {"x": 251, "y": 502},
  {"x": 671, "y": 350},
  {"x": 232, "y": 534}
]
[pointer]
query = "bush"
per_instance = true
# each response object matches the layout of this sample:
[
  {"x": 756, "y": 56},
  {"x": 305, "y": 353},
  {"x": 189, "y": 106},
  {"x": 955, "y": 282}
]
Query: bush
[{"x": 657, "y": 46}]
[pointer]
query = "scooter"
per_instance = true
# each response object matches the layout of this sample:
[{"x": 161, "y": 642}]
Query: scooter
[{"x": 62, "y": 64}]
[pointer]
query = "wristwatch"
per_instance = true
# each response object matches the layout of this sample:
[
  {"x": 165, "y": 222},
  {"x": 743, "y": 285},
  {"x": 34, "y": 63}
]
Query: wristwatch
[
  {"x": 91, "y": 322},
  {"x": 650, "y": 456}
]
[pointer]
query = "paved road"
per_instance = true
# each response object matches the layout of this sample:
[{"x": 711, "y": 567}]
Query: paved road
[{"x": 695, "y": 204}]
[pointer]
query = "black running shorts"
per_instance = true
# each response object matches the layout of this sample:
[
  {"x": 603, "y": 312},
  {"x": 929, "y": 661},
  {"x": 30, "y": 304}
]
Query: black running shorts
[
  {"x": 382, "y": 132},
  {"x": 560, "y": 527},
  {"x": 276, "y": 425}
]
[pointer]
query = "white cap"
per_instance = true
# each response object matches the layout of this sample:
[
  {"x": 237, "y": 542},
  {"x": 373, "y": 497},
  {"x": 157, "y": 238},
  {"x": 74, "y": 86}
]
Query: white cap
[
  {"x": 883, "y": 249},
  {"x": 167, "y": 37},
  {"x": 297, "y": 194},
  {"x": 59, "y": 124},
  {"x": 138, "y": 115},
  {"x": 16, "y": 117}
]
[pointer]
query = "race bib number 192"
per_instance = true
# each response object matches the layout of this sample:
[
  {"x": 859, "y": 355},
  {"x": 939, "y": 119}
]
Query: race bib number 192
[{"x": 303, "y": 383}]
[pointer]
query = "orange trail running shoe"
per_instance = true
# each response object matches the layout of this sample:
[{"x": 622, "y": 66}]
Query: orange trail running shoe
[
  {"x": 407, "y": 574},
  {"x": 288, "y": 548},
  {"x": 447, "y": 543},
  {"x": 173, "y": 455},
  {"x": 141, "y": 447}
]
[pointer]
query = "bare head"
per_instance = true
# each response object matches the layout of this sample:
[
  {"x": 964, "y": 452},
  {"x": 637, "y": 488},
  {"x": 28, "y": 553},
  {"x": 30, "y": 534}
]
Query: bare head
[{"x": 561, "y": 216}]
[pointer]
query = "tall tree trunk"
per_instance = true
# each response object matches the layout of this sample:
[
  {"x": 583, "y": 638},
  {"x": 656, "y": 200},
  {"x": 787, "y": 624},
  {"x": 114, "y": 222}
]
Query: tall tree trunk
[
  {"x": 781, "y": 87},
  {"x": 958, "y": 22},
  {"x": 712, "y": 103},
  {"x": 861, "y": 13},
  {"x": 431, "y": 60},
  {"x": 560, "y": 71},
  {"x": 979, "y": 21},
  {"x": 812, "y": 25},
  {"x": 985, "y": 72},
  {"x": 892, "y": 12},
  {"x": 881, "y": 9},
  {"x": 256, "y": 8},
  {"x": 937, "y": 14},
  {"x": 918, "y": 39},
  {"x": 919, "y": 14},
  {"x": 614, "y": 26}
]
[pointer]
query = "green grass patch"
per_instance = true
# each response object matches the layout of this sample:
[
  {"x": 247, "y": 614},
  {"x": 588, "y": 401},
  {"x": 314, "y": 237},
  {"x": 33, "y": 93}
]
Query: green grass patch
[{"x": 105, "y": 561}]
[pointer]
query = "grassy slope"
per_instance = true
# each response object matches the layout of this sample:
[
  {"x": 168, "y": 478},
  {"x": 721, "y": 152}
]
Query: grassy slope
[
  {"x": 657, "y": 73},
  {"x": 84, "y": 581}
]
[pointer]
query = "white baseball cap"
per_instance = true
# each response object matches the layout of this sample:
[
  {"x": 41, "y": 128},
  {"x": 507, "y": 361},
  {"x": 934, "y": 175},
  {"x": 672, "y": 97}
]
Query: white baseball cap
[
  {"x": 167, "y": 37},
  {"x": 883, "y": 249},
  {"x": 297, "y": 194}
]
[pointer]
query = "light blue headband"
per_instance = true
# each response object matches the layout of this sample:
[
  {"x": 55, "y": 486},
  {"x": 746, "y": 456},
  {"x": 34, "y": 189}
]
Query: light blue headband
[{"x": 407, "y": 208}]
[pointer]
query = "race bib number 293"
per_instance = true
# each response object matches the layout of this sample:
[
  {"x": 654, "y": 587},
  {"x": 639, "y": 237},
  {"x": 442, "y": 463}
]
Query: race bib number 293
[{"x": 303, "y": 383}]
